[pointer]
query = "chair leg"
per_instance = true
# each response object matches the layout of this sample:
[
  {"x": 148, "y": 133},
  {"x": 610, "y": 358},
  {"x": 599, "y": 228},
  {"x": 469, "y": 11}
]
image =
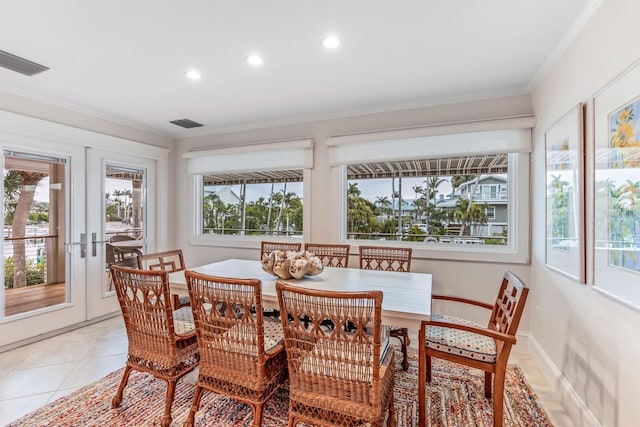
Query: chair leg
[
  {"x": 498, "y": 397},
  {"x": 194, "y": 407},
  {"x": 487, "y": 385},
  {"x": 403, "y": 335},
  {"x": 393, "y": 422},
  {"x": 125, "y": 379},
  {"x": 424, "y": 375},
  {"x": 257, "y": 414},
  {"x": 171, "y": 391}
]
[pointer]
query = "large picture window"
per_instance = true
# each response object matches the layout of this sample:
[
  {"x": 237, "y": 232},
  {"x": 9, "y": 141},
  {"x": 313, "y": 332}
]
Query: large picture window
[
  {"x": 244, "y": 193},
  {"x": 245, "y": 204},
  {"x": 447, "y": 200},
  {"x": 449, "y": 192}
]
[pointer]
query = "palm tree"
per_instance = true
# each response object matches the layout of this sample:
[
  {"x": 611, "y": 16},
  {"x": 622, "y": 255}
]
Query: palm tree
[
  {"x": 433, "y": 182},
  {"x": 417, "y": 190},
  {"x": 383, "y": 203},
  {"x": 458, "y": 180},
  {"x": 468, "y": 212},
  {"x": 18, "y": 229},
  {"x": 12, "y": 184}
]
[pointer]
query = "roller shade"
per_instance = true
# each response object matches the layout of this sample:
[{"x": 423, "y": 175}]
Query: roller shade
[
  {"x": 477, "y": 138},
  {"x": 270, "y": 156}
]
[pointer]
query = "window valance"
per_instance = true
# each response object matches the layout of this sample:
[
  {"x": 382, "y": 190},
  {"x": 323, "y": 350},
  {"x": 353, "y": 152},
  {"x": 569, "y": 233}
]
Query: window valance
[
  {"x": 296, "y": 154},
  {"x": 511, "y": 135}
]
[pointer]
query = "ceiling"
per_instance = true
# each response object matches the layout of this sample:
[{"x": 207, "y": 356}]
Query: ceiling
[{"x": 125, "y": 60}]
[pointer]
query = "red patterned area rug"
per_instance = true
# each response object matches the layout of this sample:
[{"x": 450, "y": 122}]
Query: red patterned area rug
[{"x": 455, "y": 398}]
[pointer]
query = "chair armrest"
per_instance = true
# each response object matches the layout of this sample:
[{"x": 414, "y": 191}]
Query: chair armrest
[
  {"x": 509, "y": 339},
  {"x": 463, "y": 301}
]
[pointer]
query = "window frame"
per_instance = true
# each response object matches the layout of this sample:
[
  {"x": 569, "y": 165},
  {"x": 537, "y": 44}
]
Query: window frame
[
  {"x": 507, "y": 135},
  {"x": 198, "y": 238},
  {"x": 263, "y": 157}
]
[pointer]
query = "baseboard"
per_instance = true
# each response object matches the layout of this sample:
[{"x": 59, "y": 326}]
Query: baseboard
[
  {"x": 58, "y": 332},
  {"x": 563, "y": 391}
]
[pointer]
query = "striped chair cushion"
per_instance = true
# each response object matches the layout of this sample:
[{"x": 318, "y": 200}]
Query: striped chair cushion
[
  {"x": 244, "y": 335},
  {"x": 344, "y": 359},
  {"x": 461, "y": 343},
  {"x": 183, "y": 321}
]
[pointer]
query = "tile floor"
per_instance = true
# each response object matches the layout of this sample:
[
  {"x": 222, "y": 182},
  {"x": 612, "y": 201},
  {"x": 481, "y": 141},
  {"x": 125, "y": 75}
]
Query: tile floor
[{"x": 38, "y": 373}]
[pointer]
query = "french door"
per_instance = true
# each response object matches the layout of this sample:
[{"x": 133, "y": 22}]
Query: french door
[
  {"x": 63, "y": 203},
  {"x": 120, "y": 206},
  {"x": 43, "y": 254}
]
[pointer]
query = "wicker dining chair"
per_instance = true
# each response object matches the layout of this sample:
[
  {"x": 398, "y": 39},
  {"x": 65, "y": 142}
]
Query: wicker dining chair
[
  {"x": 170, "y": 261},
  {"x": 162, "y": 342},
  {"x": 330, "y": 255},
  {"x": 241, "y": 353},
  {"x": 341, "y": 377},
  {"x": 267, "y": 247},
  {"x": 389, "y": 259},
  {"x": 467, "y": 343}
]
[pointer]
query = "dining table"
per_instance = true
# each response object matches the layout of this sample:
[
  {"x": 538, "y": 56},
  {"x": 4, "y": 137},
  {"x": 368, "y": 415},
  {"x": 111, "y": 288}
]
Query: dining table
[{"x": 406, "y": 300}]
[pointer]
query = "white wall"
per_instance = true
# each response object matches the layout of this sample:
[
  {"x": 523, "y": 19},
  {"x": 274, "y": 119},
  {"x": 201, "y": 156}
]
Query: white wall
[
  {"x": 594, "y": 341},
  {"x": 475, "y": 280}
]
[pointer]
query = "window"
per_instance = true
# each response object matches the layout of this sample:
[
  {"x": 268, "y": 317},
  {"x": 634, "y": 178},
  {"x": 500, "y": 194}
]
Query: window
[
  {"x": 448, "y": 195},
  {"x": 263, "y": 204},
  {"x": 242, "y": 194},
  {"x": 490, "y": 211},
  {"x": 448, "y": 200}
]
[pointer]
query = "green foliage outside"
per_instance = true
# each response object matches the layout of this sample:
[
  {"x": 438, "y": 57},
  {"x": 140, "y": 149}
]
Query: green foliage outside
[
  {"x": 35, "y": 273},
  {"x": 367, "y": 220},
  {"x": 280, "y": 214}
]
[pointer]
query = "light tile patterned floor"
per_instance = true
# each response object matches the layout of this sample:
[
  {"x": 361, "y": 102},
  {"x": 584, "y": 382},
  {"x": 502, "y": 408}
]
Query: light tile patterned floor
[{"x": 33, "y": 375}]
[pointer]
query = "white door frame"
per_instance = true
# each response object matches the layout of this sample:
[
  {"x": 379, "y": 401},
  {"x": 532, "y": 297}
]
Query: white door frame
[
  {"x": 100, "y": 303},
  {"x": 23, "y": 133}
]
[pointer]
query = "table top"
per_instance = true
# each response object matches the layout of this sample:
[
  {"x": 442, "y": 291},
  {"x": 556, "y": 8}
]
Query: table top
[
  {"x": 406, "y": 296},
  {"x": 127, "y": 243}
]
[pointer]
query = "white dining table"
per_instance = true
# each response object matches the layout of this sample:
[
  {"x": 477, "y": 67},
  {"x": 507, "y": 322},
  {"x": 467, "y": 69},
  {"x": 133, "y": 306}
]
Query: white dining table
[{"x": 406, "y": 300}]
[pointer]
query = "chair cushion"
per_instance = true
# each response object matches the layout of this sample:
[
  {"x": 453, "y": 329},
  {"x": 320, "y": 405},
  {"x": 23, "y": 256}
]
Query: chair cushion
[
  {"x": 344, "y": 359},
  {"x": 183, "y": 321},
  {"x": 461, "y": 343},
  {"x": 273, "y": 336}
]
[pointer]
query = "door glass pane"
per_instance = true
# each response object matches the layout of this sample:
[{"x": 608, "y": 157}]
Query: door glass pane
[
  {"x": 124, "y": 211},
  {"x": 34, "y": 230}
]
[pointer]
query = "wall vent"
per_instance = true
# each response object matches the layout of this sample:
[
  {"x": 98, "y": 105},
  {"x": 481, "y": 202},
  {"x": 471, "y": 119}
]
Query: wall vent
[
  {"x": 186, "y": 123},
  {"x": 20, "y": 65}
]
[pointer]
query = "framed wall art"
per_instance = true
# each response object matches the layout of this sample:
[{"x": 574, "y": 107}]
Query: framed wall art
[
  {"x": 617, "y": 188},
  {"x": 564, "y": 147}
]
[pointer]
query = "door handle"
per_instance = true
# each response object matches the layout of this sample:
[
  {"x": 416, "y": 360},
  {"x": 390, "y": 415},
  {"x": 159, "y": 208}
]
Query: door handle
[
  {"x": 94, "y": 243},
  {"x": 82, "y": 243}
]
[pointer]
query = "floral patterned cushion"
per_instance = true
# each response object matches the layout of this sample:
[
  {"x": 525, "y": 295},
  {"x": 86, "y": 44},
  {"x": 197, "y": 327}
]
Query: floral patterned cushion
[
  {"x": 461, "y": 343},
  {"x": 183, "y": 321}
]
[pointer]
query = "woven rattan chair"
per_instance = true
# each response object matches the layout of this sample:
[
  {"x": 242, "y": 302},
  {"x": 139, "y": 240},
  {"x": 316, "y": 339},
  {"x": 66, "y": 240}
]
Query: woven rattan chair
[
  {"x": 169, "y": 261},
  {"x": 467, "y": 343},
  {"x": 242, "y": 354},
  {"x": 330, "y": 255},
  {"x": 162, "y": 342},
  {"x": 267, "y": 247},
  {"x": 336, "y": 377},
  {"x": 389, "y": 259}
]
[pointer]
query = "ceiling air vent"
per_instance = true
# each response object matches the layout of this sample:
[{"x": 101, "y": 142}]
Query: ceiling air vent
[
  {"x": 186, "y": 123},
  {"x": 20, "y": 65}
]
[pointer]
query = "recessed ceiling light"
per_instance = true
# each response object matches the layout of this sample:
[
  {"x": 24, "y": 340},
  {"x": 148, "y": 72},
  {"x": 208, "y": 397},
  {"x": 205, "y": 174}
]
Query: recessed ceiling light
[
  {"x": 254, "y": 60},
  {"x": 193, "y": 75},
  {"x": 331, "y": 42}
]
